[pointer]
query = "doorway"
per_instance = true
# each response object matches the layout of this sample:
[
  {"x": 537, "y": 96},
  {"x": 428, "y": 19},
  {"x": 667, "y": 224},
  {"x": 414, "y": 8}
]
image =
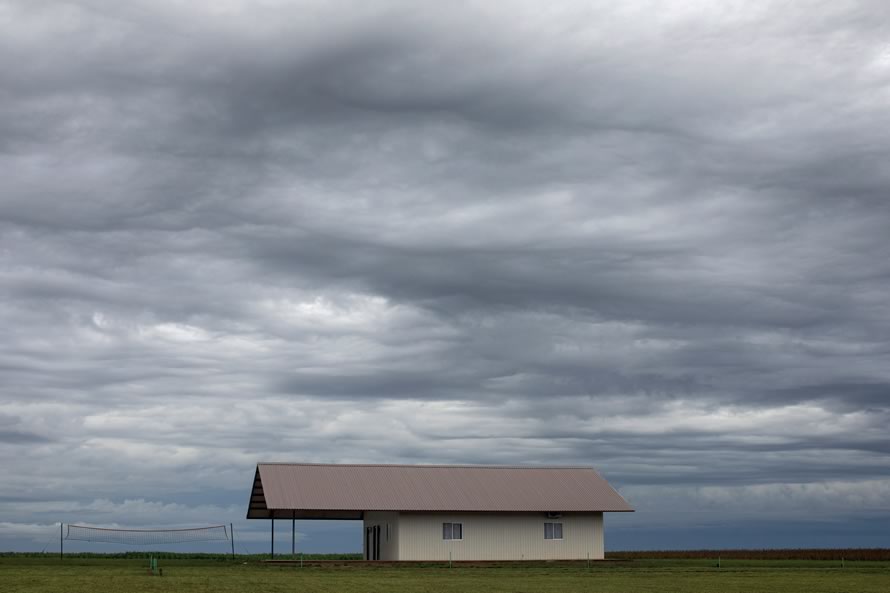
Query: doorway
[{"x": 372, "y": 543}]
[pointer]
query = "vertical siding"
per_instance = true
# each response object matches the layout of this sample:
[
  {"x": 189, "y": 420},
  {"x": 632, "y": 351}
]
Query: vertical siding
[
  {"x": 599, "y": 544},
  {"x": 389, "y": 550},
  {"x": 499, "y": 536}
]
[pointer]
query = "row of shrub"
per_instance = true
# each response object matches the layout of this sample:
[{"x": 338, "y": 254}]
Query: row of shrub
[
  {"x": 182, "y": 555},
  {"x": 785, "y": 554}
]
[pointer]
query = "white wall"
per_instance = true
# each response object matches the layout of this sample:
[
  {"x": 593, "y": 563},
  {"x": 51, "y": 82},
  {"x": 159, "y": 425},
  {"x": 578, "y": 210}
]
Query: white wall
[
  {"x": 389, "y": 548},
  {"x": 499, "y": 536}
]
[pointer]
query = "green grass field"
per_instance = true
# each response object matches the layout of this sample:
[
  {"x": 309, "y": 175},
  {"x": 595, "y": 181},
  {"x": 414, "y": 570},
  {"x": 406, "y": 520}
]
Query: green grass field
[{"x": 90, "y": 575}]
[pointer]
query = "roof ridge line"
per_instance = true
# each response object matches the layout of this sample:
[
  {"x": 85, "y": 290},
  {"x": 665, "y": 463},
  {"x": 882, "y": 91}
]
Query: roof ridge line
[{"x": 426, "y": 465}]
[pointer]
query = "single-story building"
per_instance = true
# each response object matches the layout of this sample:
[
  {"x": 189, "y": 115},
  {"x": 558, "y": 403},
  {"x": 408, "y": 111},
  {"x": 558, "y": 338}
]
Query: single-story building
[{"x": 447, "y": 512}]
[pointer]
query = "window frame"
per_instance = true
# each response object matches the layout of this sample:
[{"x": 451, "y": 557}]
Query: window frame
[
  {"x": 450, "y": 531},
  {"x": 552, "y": 525}
]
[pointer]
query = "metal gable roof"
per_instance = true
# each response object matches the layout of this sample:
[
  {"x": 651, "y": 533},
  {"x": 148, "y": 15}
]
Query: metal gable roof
[{"x": 344, "y": 491}]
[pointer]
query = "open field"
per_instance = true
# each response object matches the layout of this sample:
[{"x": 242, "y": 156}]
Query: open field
[{"x": 87, "y": 575}]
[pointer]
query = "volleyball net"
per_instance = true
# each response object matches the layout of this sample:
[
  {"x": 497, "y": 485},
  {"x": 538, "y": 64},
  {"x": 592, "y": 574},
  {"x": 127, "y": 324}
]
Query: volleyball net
[{"x": 147, "y": 537}]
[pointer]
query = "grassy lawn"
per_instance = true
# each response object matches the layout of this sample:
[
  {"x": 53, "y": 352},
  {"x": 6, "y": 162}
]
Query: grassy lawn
[{"x": 78, "y": 575}]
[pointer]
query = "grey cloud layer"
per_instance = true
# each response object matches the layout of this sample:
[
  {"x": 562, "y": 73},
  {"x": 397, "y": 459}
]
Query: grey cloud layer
[{"x": 650, "y": 237}]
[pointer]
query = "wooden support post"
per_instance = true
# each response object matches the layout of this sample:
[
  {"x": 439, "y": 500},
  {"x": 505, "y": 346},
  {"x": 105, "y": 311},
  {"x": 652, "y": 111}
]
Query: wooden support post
[{"x": 272, "y": 552}]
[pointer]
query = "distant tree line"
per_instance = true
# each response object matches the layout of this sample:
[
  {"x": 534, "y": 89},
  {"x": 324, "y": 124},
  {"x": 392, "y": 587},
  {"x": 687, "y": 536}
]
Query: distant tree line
[{"x": 852, "y": 554}]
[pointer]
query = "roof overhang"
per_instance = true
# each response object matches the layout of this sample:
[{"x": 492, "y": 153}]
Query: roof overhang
[{"x": 257, "y": 509}]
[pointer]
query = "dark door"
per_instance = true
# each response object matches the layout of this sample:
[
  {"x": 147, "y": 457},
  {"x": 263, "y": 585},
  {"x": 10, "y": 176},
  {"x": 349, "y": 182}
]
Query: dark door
[{"x": 372, "y": 543}]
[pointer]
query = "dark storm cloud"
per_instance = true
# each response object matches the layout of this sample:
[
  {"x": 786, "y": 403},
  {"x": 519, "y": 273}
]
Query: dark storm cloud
[
  {"x": 12, "y": 437},
  {"x": 11, "y": 434},
  {"x": 648, "y": 237}
]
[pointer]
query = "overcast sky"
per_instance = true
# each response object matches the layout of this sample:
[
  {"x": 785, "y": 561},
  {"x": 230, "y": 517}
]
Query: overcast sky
[{"x": 646, "y": 236}]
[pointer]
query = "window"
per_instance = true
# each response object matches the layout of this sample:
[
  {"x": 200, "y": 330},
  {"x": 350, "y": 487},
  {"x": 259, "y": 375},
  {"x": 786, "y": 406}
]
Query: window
[
  {"x": 552, "y": 530},
  {"x": 452, "y": 531}
]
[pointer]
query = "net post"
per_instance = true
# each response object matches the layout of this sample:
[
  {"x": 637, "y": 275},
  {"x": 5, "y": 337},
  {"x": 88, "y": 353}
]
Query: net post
[
  {"x": 272, "y": 549},
  {"x": 293, "y": 537},
  {"x": 232, "y": 535},
  {"x": 61, "y": 541}
]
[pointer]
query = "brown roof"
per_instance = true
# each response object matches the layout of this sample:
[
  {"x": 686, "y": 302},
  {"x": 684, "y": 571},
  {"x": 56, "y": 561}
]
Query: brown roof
[{"x": 344, "y": 491}]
